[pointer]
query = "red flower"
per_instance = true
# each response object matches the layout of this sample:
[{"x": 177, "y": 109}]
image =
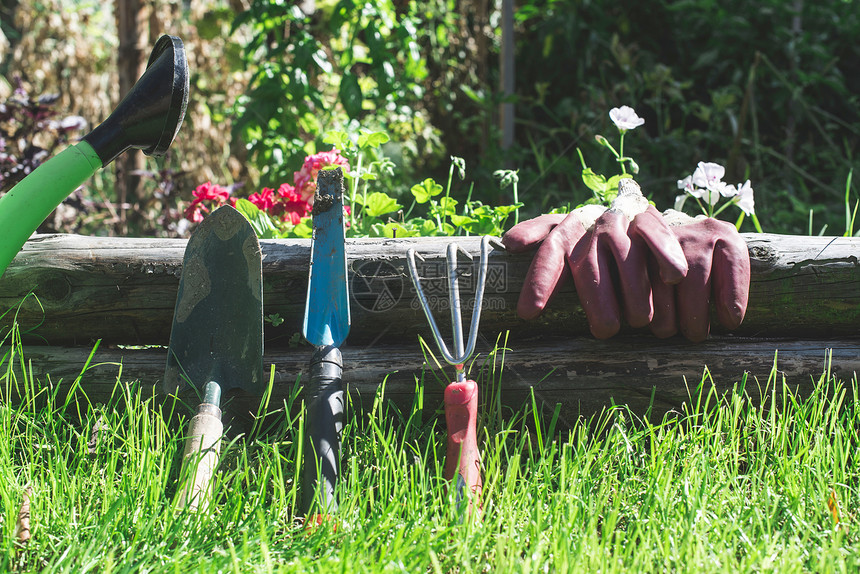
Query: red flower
[
  {"x": 211, "y": 192},
  {"x": 285, "y": 203},
  {"x": 265, "y": 200},
  {"x": 293, "y": 207},
  {"x": 206, "y": 192}
]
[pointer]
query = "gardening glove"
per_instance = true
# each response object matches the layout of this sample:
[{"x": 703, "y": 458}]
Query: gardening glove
[
  {"x": 719, "y": 270},
  {"x": 629, "y": 234}
]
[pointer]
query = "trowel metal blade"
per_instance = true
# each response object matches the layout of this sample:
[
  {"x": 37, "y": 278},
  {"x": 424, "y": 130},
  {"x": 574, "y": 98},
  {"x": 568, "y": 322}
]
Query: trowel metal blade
[
  {"x": 327, "y": 316},
  {"x": 217, "y": 332}
]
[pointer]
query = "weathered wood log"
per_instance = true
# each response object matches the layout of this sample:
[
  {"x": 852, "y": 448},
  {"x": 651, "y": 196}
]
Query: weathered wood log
[
  {"x": 582, "y": 374},
  {"x": 123, "y": 290}
]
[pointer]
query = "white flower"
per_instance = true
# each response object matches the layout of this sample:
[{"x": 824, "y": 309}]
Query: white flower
[
  {"x": 679, "y": 202},
  {"x": 726, "y": 189},
  {"x": 745, "y": 198},
  {"x": 709, "y": 175},
  {"x": 709, "y": 195},
  {"x": 686, "y": 184},
  {"x": 625, "y": 118}
]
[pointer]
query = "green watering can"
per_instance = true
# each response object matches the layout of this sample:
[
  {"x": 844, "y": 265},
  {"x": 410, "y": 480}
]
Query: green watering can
[{"x": 148, "y": 119}]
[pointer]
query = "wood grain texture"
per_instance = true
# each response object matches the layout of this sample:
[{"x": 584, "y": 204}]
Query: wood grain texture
[
  {"x": 123, "y": 290},
  {"x": 582, "y": 374}
]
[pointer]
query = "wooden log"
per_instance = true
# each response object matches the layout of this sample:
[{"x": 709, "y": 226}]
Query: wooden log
[
  {"x": 123, "y": 290},
  {"x": 583, "y": 375}
]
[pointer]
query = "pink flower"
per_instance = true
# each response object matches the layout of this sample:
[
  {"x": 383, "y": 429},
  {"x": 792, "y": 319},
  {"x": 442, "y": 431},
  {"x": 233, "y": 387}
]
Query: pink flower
[{"x": 305, "y": 179}]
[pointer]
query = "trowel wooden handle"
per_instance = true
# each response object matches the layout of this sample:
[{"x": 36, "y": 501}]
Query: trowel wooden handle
[
  {"x": 462, "y": 459},
  {"x": 202, "y": 451}
]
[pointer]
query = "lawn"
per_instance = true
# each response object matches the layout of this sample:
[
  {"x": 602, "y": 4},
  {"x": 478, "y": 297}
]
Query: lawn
[{"x": 722, "y": 484}]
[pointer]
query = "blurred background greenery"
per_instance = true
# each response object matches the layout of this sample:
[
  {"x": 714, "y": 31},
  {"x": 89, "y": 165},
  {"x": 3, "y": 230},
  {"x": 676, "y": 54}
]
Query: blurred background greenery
[{"x": 768, "y": 88}]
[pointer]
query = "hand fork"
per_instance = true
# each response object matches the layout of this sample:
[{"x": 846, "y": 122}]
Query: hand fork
[{"x": 462, "y": 458}]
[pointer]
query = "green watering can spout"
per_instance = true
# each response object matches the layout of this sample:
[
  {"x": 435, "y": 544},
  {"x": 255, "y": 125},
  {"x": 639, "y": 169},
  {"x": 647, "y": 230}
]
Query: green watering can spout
[{"x": 148, "y": 118}]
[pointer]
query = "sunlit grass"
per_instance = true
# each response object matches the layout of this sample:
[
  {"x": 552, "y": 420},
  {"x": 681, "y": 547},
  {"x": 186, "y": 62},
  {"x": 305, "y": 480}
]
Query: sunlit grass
[{"x": 724, "y": 484}]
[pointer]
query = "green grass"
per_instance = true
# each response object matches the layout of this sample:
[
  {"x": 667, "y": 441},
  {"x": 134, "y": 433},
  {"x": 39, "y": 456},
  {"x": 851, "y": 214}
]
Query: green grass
[{"x": 722, "y": 485}]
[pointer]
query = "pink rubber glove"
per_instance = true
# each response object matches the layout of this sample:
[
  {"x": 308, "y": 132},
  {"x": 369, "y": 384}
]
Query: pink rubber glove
[
  {"x": 719, "y": 271},
  {"x": 651, "y": 262},
  {"x": 622, "y": 239}
]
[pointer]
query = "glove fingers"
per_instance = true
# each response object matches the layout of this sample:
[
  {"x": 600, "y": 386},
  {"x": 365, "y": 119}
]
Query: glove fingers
[
  {"x": 694, "y": 297},
  {"x": 731, "y": 280},
  {"x": 631, "y": 262},
  {"x": 591, "y": 268},
  {"x": 650, "y": 226},
  {"x": 547, "y": 269},
  {"x": 525, "y": 235},
  {"x": 665, "y": 321}
]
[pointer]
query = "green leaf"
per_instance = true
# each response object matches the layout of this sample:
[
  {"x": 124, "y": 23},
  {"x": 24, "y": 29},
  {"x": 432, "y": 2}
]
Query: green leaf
[
  {"x": 594, "y": 181},
  {"x": 612, "y": 182},
  {"x": 395, "y": 230},
  {"x": 263, "y": 225},
  {"x": 505, "y": 210},
  {"x": 447, "y": 229},
  {"x": 338, "y": 139},
  {"x": 426, "y": 227},
  {"x": 350, "y": 95},
  {"x": 304, "y": 229},
  {"x": 425, "y": 190},
  {"x": 480, "y": 210},
  {"x": 447, "y": 206},
  {"x": 372, "y": 139},
  {"x": 462, "y": 220},
  {"x": 378, "y": 203},
  {"x": 484, "y": 226}
]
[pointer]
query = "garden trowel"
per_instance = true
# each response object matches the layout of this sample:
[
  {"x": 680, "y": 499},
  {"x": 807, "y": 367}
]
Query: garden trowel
[
  {"x": 326, "y": 326},
  {"x": 216, "y": 341}
]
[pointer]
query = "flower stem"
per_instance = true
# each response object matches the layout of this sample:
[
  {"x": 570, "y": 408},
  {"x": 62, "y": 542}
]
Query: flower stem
[
  {"x": 702, "y": 207},
  {"x": 353, "y": 192},
  {"x": 756, "y": 223},
  {"x": 620, "y": 155},
  {"x": 581, "y": 159},
  {"x": 516, "y": 201},
  {"x": 447, "y": 194},
  {"x": 725, "y": 205}
]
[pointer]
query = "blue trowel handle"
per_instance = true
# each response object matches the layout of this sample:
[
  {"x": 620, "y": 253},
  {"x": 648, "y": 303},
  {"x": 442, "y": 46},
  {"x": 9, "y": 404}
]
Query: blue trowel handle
[{"x": 323, "y": 425}]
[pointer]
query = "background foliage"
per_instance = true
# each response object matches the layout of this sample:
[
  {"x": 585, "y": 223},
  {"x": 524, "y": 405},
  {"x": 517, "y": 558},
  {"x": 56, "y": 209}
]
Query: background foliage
[{"x": 768, "y": 88}]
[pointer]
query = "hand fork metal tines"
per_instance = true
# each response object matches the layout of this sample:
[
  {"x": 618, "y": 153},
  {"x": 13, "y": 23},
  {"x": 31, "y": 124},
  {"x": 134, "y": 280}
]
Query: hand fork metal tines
[{"x": 461, "y": 396}]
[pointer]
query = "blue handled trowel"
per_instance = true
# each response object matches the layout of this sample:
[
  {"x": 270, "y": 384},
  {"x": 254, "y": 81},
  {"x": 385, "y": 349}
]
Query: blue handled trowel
[{"x": 326, "y": 326}]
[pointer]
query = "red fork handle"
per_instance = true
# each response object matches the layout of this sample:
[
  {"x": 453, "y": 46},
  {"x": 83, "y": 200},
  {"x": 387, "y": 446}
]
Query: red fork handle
[{"x": 462, "y": 460}]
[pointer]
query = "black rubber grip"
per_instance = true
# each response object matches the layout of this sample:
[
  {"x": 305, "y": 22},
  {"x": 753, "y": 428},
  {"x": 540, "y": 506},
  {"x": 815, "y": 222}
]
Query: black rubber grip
[{"x": 323, "y": 425}]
